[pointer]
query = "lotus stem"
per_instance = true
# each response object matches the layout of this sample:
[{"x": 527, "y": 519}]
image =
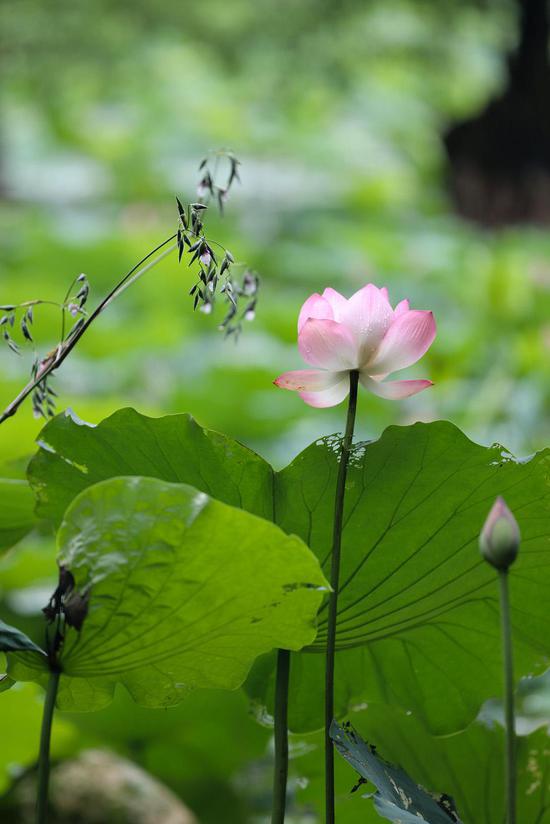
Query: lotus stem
[
  {"x": 333, "y": 599},
  {"x": 509, "y": 713},
  {"x": 44, "y": 755},
  {"x": 280, "y": 775}
]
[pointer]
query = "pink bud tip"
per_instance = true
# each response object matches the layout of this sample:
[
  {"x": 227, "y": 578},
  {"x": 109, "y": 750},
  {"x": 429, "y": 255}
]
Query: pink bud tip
[{"x": 500, "y": 537}]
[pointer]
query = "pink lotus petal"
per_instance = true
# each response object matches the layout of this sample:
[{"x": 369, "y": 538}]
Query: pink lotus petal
[
  {"x": 327, "y": 397},
  {"x": 328, "y": 345},
  {"x": 401, "y": 308},
  {"x": 407, "y": 339},
  {"x": 315, "y": 307},
  {"x": 384, "y": 290},
  {"x": 368, "y": 315},
  {"x": 337, "y": 301},
  {"x": 308, "y": 380},
  {"x": 365, "y": 333},
  {"x": 394, "y": 390}
]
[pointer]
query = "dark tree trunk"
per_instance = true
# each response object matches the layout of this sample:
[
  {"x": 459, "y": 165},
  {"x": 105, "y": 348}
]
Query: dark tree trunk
[
  {"x": 531, "y": 62},
  {"x": 500, "y": 160}
]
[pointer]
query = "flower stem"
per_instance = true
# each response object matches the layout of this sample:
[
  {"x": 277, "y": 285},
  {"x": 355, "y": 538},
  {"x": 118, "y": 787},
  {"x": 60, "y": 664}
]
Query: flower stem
[
  {"x": 44, "y": 755},
  {"x": 333, "y": 600},
  {"x": 280, "y": 774},
  {"x": 509, "y": 698}
]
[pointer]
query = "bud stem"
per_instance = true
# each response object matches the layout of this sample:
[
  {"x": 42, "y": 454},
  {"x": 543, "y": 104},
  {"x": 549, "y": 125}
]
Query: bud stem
[
  {"x": 510, "y": 762},
  {"x": 333, "y": 600},
  {"x": 280, "y": 774},
  {"x": 44, "y": 755}
]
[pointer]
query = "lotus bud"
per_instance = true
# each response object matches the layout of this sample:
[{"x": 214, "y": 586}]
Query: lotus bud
[{"x": 500, "y": 537}]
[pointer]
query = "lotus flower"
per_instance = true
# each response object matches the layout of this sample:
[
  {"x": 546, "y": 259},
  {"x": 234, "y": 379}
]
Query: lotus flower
[{"x": 364, "y": 333}]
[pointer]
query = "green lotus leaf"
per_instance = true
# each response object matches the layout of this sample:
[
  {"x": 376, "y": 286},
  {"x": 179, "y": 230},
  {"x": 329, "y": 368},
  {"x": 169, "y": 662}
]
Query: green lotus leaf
[
  {"x": 17, "y": 516},
  {"x": 418, "y": 616},
  {"x": 75, "y": 455},
  {"x": 184, "y": 592},
  {"x": 418, "y": 609}
]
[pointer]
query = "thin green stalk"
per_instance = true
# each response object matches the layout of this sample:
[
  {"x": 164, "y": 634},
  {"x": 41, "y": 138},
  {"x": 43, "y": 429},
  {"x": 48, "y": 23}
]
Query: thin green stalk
[
  {"x": 508, "y": 699},
  {"x": 333, "y": 600},
  {"x": 44, "y": 755},
  {"x": 65, "y": 347},
  {"x": 280, "y": 774}
]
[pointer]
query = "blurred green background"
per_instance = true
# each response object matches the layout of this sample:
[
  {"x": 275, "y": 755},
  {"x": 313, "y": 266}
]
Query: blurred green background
[{"x": 336, "y": 111}]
